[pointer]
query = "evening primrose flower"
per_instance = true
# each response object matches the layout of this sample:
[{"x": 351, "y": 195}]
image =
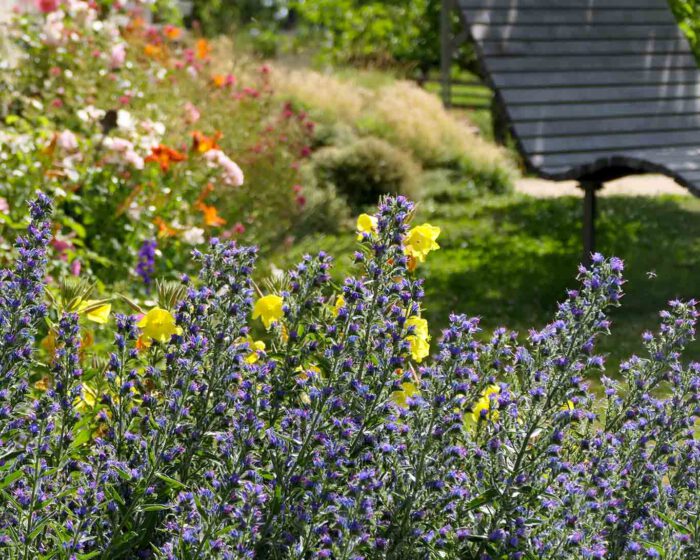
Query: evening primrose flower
[
  {"x": 268, "y": 309},
  {"x": 568, "y": 406},
  {"x": 256, "y": 346},
  {"x": 159, "y": 325},
  {"x": 303, "y": 373},
  {"x": 401, "y": 397},
  {"x": 484, "y": 408},
  {"x": 420, "y": 241},
  {"x": 339, "y": 304},
  {"x": 98, "y": 314},
  {"x": 420, "y": 339},
  {"x": 87, "y": 398},
  {"x": 366, "y": 224}
]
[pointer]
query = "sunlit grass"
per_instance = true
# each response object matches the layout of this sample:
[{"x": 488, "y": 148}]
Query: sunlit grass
[{"x": 509, "y": 259}]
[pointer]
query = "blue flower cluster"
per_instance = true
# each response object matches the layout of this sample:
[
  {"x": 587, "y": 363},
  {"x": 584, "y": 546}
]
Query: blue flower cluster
[
  {"x": 321, "y": 437},
  {"x": 146, "y": 264}
]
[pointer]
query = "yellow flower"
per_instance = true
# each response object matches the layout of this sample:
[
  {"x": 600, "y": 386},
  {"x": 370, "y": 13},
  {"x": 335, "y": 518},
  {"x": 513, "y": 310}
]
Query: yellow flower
[
  {"x": 49, "y": 343},
  {"x": 420, "y": 241},
  {"x": 339, "y": 304},
  {"x": 485, "y": 403},
  {"x": 304, "y": 372},
  {"x": 269, "y": 309},
  {"x": 366, "y": 224},
  {"x": 159, "y": 325},
  {"x": 256, "y": 346},
  {"x": 87, "y": 398},
  {"x": 568, "y": 406},
  {"x": 43, "y": 384},
  {"x": 420, "y": 339},
  {"x": 98, "y": 314},
  {"x": 407, "y": 390}
]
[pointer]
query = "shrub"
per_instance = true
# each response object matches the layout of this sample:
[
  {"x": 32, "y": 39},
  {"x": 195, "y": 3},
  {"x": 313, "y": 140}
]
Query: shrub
[
  {"x": 134, "y": 131},
  {"x": 330, "y": 432},
  {"x": 324, "y": 210},
  {"x": 367, "y": 169},
  {"x": 339, "y": 134},
  {"x": 326, "y": 97},
  {"x": 416, "y": 121}
]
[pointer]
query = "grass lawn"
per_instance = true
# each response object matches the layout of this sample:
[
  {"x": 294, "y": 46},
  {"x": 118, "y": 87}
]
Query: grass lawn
[{"x": 509, "y": 259}]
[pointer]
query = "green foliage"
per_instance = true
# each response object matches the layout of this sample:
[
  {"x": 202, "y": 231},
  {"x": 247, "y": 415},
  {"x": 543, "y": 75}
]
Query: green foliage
[
  {"x": 223, "y": 16},
  {"x": 505, "y": 258},
  {"x": 362, "y": 32},
  {"x": 687, "y": 13},
  {"x": 82, "y": 128},
  {"x": 379, "y": 33},
  {"x": 367, "y": 169}
]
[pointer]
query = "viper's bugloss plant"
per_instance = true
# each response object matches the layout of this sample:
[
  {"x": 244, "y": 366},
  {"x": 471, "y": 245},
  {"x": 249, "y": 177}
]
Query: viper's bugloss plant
[{"x": 303, "y": 420}]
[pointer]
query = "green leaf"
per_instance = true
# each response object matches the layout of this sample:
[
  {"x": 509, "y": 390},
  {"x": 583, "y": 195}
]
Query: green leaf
[
  {"x": 71, "y": 224},
  {"x": 9, "y": 479},
  {"x": 154, "y": 507},
  {"x": 484, "y": 498},
  {"x": 170, "y": 482}
]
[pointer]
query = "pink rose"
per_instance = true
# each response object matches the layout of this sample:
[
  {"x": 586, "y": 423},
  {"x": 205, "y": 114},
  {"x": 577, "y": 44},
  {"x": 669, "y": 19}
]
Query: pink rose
[
  {"x": 117, "y": 56},
  {"x": 192, "y": 114},
  {"x": 232, "y": 174},
  {"x": 67, "y": 141}
]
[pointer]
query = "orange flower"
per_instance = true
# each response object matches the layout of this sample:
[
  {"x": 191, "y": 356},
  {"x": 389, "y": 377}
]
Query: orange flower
[
  {"x": 203, "y": 49},
  {"x": 204, "y": 193},
  {"x": 136, "y": 23},
  {"x": 49, "y": 343},
  {"x": 211, "y": 215},
  {"x": 164, "y": 156},
  {"x": 143, "y": 343},
  {"x": 171, "y": 32},
  {"x": 153, "y": 51},
  {"x": 411, "y": 263},
  {"x": 164, "y": 230},
  {"x": 219, "y": 80},
  {"x": 202, "y": 143}
]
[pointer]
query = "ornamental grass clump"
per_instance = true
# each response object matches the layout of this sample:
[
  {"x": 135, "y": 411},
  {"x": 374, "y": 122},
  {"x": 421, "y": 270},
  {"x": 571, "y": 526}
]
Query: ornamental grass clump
[{"x": 308, "y": 420}]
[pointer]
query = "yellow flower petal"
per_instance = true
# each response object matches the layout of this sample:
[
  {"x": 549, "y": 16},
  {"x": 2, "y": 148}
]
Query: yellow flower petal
[
  {"x": 87, "y": 398},
  {"x": 339, "y": 304},
  {"x": 401, "y": 397},
  {"x": 268, "y": 309},
  {"x": 366, "y": 224},
  {"x": 485, "y": 403},
  {"x": 159, "y": 325},
  {"x": 420, "y": 339},
  {"x": 420, "y": 241},
  {"x": 98, "y": 314},
  {"x": 256, "y": 346}
]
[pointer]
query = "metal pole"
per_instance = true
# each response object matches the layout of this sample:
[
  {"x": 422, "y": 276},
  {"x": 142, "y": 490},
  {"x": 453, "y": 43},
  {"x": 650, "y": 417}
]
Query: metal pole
[
  {"x": 589, "y": 214},
  {"x": 445, "y": 52}
]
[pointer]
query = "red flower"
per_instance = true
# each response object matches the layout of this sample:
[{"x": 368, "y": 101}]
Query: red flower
[{"x": 47, "y": 6}]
